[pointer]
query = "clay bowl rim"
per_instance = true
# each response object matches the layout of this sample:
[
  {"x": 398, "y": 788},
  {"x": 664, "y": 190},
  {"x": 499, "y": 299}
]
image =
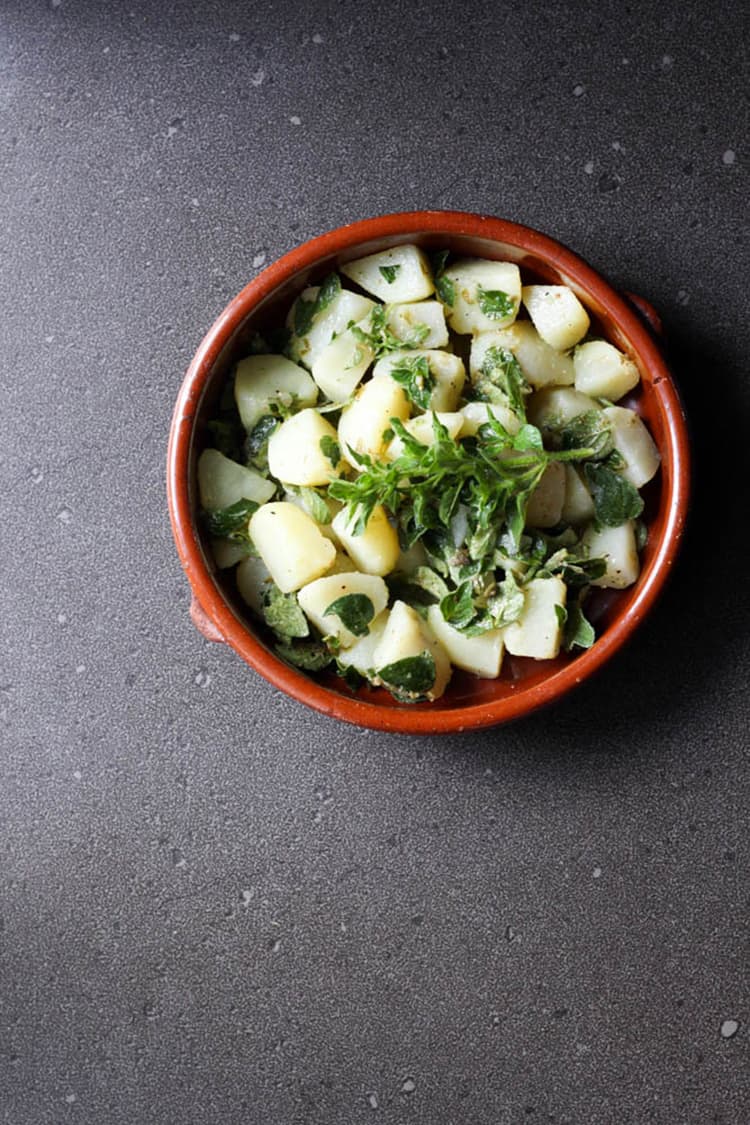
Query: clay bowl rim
[{"x": 215, "y": 616}]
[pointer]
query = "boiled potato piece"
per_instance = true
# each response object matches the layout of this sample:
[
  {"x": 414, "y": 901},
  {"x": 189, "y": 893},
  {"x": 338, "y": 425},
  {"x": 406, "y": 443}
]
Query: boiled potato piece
[
  {"x": 475, "y": 415},
  {"x": 421, "y": 428},
  {"x": 538, "y": 632},
  {"x": 482, "y": 655},
  {"x": 263, "y": 380},
  {"x": 541, "y": 364},
  {"x": 317, "y": 596},
  {"x": 546, "y": 501},
  {"x": 339, "y": 368},
  {"x": 363, "y": 424},
  {"x": 578, "y": 506},
  {"x": 552, "y": 408},
  {"x": 222, "y": 482},
  {"x": 617, "y": 546},
  {"x": 557, "y": 314},
  {"x": 634, "y": 442},
  {"x": 404, "y": 320},
  {"x": 360, "y": 655},
  {"x": 376, "y": 550},
  {"x": 291, "y": 545},
  {"x": 405, "y": 636},
  {"x": 294, "y": 450},
  {"x": 601, "y": 370},
  {"x": 227, "y": 552},
  {"x": 446, "y": 369},
  {"x": 253, "y": 583},
  {"x": 397, "y": 275},
  {"x": 344, "y": 309},
  {"x": 478, "y": 288}
]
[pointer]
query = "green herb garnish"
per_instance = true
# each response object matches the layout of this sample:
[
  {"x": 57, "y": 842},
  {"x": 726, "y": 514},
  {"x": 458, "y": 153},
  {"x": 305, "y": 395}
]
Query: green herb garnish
[
  {"x": 615, "y": 499},
  {"x": 389, "y": 273},
  {"x": 307, "y": 311},
  {"x": 354, "y": 611},
  {"x": 414, "y": 375},
  {"x": 411, "y": 677},
  {"x": 331, "y": 449},
  {"x": 231, "y": 522},
  {"x": 495, "y": 304},
  {"x": 282, "y": 613}
]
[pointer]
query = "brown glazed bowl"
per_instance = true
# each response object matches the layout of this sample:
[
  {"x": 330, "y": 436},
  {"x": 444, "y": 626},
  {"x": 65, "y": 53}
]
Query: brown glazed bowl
[{"x": 524, "y": 685}]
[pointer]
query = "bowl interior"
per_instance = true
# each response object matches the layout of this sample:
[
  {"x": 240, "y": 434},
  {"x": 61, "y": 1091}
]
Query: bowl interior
[{"x": 523, "y": 683}]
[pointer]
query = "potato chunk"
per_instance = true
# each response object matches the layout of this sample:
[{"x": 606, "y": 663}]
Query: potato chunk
[
  {"x": 294, "y": 450},
  {"x": 634, "y": 442},
  {"x": 475, "y": 415},
  {"x": 361, "y": 654},
  {"x": 361, "y": 599},
  {"x": 538, "y": 632},
  {"x": 601, "y": 370},
  {"x": 546, "y": 501},
  {"x": 366, "y": 420},
  {"x": 397, "y": 275},
  {"x": 291, "y": 544},
  {"x": 541, "y": 364},
  {"x": 552, "y": 408},
  {"x": 557, "y": 314},
  {"x": 446, "y": 370},
  {"x": 406, "y": 638},
  {"x": 482, "y": 655},
  {"x": 222, "y": 482},
  {"x": 409, "y": 321},
  {"x": 376, "y": 550},
  {"x": 485, "y": 295},
  {"x": 265, "y": 379},
  {"x": 253, "y": 583},
  {"x": 344, "y": 309},
  {"x": 578, "y": 506},
  {"x": 340, "y": 366},
  {"x": 617, "y": 546}
]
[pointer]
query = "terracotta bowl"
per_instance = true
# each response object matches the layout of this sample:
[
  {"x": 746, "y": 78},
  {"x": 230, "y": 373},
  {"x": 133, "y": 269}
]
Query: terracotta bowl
[{"x": 524, "y": 685}]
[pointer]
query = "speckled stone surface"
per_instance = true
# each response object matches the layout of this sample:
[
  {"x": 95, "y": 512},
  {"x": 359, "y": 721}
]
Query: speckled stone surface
[{"x": 216, "y": 906}]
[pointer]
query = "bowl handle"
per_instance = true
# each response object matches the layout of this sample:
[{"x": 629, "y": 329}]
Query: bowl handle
[
  {"x": 647, "y": 311},
  {"x": 203, "y": 623}
]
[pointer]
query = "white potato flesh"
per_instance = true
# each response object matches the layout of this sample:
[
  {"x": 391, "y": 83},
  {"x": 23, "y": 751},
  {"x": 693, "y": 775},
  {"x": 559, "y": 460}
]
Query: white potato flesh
[
  {"x": 227, "y": 552},
  {"x": 265, "y": 379},
  {"x": 617, "y": 546},
  {"x": 546, "y": 501},
  {"x": 291, "y": 544},
  {"x": 558, "y": 315},
  {"x": 360, "y": 655},
  {"x": 345, "y": 308},
  {"x": 474, "y": 281},
  {"x": 475, "y": 415},
  {"x": 446, "y": 369},
  {"x": 317, "y": 596},
  {"x": 339, "y": 367},
  {"x": 403, "y": 320},
  {"x": 538, "y": 632},
  {"x": 421, "y": 428},
  {"x": 541, "y": 364},
  {"x": 634, "y": 442},
  {"x": 222, "y": 482},
  {"x": 364, "y": 422},
  {"x": 397, "y": 275},
  {"x": 253, "y": 583},
  {"x": 294, "y": 452},
  {"x": 482, "y": 655},
  {"x": 553, "y": 407},
  {"x": 601, "y": 370},
  {"x": 406, "y": 635},
  {"x": 578, "y": 506},
  {"x": 376, "y": 550}
]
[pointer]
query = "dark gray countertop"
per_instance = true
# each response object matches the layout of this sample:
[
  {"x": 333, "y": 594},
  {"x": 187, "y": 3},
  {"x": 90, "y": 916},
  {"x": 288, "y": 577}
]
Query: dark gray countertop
[{"x": 218, "y": 906}]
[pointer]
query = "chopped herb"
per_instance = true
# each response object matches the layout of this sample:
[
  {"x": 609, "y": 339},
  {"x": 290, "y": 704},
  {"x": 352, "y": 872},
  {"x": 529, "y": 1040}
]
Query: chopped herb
[
  {"x": 231, "y": 522},
  {"x": 495, "y": 304},
  {"x": 444, "y": 286},
  {"x": 615, "y": 499},
  {"x": 381, "y": 340},
  {"x": 390, "y": 273},
  {"x": 412, "y": 676},
  {"x": 282, "y": 613},
  {"x": 351, "y": 677},
  {"x": 256, "y": 443},
  {"x": 591, "y": 429},
  {"x": 414, "y": 375},
  {"x": 458, "y": 607},
  {"x": 561, "y": 614},
  {"x": 314, "y": 504},
  {"x": 310, "y": 656},
  {"x": 578, "y": 631},
  {"x": 330, "y": 449},
  {"x": 354, "y": 611},
  {"x": 306, "y": 311}
]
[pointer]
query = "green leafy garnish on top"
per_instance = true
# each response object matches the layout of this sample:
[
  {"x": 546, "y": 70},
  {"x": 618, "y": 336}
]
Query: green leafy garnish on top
[
  {"x": 306, "y": 311},
  {"x": 390, "y": 273},
  {"x": 354, "y": 611},
  {"x": 414, "y": 375},
  {"x": 495, "y": 304}
]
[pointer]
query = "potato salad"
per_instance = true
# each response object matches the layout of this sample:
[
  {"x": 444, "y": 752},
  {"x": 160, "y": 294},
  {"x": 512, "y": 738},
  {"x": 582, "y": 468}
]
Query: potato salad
[{"x": 426, "y": 468}]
